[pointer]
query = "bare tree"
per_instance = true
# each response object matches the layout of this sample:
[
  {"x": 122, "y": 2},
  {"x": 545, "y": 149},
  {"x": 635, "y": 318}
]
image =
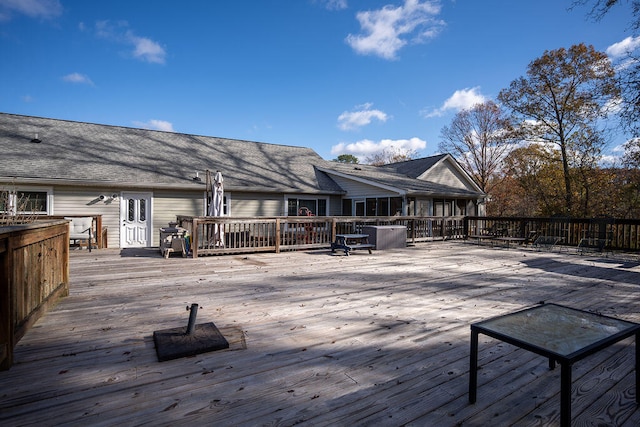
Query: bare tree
[
  {"x": 561, "y": 99},
  {"x": 391, "y": 155},
  {"x": 628, "y": 68},
  {"x": 479, "y": 138}
]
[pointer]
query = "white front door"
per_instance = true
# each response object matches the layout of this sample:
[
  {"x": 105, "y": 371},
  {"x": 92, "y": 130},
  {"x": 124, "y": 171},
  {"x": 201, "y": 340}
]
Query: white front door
[{"x": 135, "y": 219}]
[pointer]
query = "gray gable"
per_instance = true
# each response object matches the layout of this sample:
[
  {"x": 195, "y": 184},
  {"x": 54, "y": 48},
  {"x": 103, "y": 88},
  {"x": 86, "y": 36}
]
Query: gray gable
[
  {"x": 387, "y": 176},
  {"x": 83, "y": 153},
  {"x": 416, "y": 167}
]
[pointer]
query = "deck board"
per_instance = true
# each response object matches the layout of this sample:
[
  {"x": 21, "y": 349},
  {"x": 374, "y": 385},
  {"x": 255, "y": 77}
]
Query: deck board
[{"x": 319, "y": 339}]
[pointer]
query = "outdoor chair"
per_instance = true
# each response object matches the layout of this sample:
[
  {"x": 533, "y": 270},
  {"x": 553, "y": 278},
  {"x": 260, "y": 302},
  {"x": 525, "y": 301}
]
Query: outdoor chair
[
  {"x": 546, "y": 242},
  {"x": 597, "y": 237},
  {"x": 80, "y": 229}
]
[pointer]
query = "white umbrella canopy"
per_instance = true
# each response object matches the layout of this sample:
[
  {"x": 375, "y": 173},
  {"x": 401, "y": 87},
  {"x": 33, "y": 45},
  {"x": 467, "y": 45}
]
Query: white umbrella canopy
[
  {"x": 216, "y": 208},
  {"x": 217, "y": 190}
]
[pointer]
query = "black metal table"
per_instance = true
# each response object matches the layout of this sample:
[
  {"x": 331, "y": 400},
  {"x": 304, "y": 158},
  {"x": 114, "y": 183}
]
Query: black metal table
[{"x": 562, "y": 334}]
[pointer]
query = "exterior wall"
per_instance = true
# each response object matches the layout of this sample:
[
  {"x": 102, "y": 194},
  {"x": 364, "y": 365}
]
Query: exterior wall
[
  {"x": 168, "y": 204},
  {"x": 165, "y": 206},
  {"x": 85, "y": 201},
  {"x": 444, "y": 173},
  {"x": 257, "y": 204}
]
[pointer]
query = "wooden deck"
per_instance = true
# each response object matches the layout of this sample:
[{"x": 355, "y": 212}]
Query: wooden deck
[{"x": 319, "y": 339}]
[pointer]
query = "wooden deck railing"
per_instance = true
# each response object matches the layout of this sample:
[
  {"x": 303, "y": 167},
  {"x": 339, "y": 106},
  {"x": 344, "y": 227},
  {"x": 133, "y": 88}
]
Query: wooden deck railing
[
  {"x": 619, "y": 234},
  {"x": 34, "y": 273},
  {"x": 261, "y": 234}
]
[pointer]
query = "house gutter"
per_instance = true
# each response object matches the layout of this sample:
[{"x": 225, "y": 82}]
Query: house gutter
[{"x": 195, "y": 186}]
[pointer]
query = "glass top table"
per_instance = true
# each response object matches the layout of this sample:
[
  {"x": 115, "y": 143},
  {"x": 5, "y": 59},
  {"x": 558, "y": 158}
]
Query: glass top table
[{"x": 562, "y": 334}]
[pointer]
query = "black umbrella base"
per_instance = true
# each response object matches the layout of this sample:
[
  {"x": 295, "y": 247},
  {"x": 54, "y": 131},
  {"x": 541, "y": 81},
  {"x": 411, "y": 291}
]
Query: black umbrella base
[{"x": 174, "y": 343}]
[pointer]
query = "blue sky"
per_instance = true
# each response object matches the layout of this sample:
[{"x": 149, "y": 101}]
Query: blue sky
[{"x": 339, "y": 76}]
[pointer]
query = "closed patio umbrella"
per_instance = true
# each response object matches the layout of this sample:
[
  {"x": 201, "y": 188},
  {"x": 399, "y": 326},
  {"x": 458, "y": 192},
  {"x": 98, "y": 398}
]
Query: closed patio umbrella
[{"x": 217, "y": 205}]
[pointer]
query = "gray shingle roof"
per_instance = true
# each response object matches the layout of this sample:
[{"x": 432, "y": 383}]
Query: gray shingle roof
[
  {"x": 386, "y": 176},
  {"x": 92, "y": 154},
  {"x": 84, "y": 152},
  {"x": 416, "y": 167}
]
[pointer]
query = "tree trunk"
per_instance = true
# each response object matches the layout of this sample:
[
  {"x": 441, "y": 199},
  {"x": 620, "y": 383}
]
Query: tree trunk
[{"x": 567, "y": 178}]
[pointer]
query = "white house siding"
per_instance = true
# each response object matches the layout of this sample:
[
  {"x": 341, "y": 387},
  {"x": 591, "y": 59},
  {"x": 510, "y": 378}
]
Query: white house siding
[
  {"x": 169, "y": 204},
  {"x": 86, "y": 201},
  {"x": 166, "y": 206},
  {"x": 257, "y": 204}
]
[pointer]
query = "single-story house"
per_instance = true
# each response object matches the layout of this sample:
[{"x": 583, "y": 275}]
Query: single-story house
[{"x": 139, "y": 179}]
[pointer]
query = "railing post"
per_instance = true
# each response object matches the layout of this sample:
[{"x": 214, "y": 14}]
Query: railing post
[
  {"x": 277, "y": 242},
  {"x": 334, "y": 224},
  {"x": 465, "y": 226},
  {"x": 194, "y": 238}
]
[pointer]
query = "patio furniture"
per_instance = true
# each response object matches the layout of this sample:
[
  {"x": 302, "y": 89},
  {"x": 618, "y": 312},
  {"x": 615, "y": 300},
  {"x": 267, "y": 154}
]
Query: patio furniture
[
  {"x": 508, "y": 240},
  {"x": 546, "y": 242},
  {"x": 80, "y": 228},
  {"x": 386, "y": 236},
  {"x": 349, "y": 242},
  {"x": 560, "y": 333},
  {"x": 173, "y": 239},
  {"x": 597, "y": 237}
]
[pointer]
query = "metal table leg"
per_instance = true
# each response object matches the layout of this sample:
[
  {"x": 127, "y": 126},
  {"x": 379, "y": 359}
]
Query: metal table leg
[
  {"x": 565, "y": 394},
  {"x": 473, "y": 367},
  {"x": 637, "y": 366}
]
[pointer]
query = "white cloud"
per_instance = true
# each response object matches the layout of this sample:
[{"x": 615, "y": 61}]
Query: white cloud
[
  {"x": 156, "y": 125},
  {"x": 385, "y": 31},
  {"x": 45, "y": 9},
  {"x": 334, "y": 4},
  {"x": 624, "y": 47},
  {"x": 366, "y": 147},
  {"x": 350, "y": 120},
  {"x": 78, "y": 78},
  {"x": 144, "y": 48},
  {"x": 460, "y": 100}
]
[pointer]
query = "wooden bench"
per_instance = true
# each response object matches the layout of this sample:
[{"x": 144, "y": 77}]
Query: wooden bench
[
  {"x": 508, "y": 240},
  {"x": 481, "y": 237},
  {"x": 349, "y": 242}
]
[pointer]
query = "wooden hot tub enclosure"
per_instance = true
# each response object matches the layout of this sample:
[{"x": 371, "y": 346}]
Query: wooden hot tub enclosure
[{"x": 34, "y": 259}]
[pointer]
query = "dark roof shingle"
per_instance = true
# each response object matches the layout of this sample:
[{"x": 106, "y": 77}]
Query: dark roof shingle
[{"x": 77, "y": 151}]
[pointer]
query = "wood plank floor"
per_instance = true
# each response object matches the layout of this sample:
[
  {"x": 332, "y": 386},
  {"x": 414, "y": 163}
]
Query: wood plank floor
[{"x": 319, "y": 339}]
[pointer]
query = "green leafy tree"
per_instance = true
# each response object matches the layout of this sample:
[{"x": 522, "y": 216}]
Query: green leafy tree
[
  {"x": 479, "y": 138},
  {"x": 560, "y": 100},
  {"x": 346, "y": 158}
]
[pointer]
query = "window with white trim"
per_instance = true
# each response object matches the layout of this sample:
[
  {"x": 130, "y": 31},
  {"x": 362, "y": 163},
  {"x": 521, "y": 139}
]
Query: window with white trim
[
  {"x": 306, "y": 207},
  {"x": 26, "y": 201}
]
